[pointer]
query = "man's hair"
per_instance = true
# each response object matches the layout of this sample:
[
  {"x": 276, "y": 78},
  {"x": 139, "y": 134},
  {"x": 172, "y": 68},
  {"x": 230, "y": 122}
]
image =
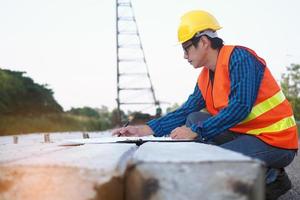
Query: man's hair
[{"x": 216, "y": 43}]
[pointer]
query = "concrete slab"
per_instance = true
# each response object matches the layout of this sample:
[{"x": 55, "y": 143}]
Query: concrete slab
[
  {"x": 185, "y": 152},
  {"x": 77, "y": 173},
  {"x": 13, "y": 152},
  {"x": 192, "y": 171},
  {"x": 35, "y": 138}
]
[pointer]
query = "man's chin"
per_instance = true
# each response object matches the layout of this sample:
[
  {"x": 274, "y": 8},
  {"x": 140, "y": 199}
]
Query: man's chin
[
  {"x": 197, "y": 67},
  {"x": 194, "y": 66}
]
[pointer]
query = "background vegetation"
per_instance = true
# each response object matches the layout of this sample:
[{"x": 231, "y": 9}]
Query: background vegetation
[
  {"x": 27, "y": 107},
  {"x": 290, "y": 84}
]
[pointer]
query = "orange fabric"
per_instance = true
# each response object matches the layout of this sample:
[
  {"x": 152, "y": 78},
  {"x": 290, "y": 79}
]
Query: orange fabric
[
  {"x": 216, "y": 98},
  {"x": 287, "y": 139},
  {"x": 282, "y": 110}
]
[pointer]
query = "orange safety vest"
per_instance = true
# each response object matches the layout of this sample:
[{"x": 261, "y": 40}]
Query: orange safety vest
[{"x": 271, "y": 118}]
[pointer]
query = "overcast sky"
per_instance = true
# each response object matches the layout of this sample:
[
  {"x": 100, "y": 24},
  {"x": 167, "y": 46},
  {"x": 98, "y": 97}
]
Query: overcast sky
[{"x": 70, "y": 44}]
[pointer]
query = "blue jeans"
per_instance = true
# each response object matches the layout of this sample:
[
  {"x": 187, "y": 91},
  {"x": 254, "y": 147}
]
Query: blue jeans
[{"x": 273, "y": 157}]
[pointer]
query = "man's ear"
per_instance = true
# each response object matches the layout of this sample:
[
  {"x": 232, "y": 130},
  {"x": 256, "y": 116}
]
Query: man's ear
[{"x": 205, "y": 42}]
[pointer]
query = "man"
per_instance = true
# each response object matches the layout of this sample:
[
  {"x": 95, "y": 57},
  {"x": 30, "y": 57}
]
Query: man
[{"x": 247, "y": 111}]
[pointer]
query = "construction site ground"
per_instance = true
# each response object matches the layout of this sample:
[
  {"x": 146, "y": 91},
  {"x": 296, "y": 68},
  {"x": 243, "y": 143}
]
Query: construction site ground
[{"x": 293, "y": 171}]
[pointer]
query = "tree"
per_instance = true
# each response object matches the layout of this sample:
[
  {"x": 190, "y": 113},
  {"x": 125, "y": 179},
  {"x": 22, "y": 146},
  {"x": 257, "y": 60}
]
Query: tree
[
  {"x": 290, "y": 84},
  {"x": 20, "y": 95},
  {"x": 172, "y": 108},
  {"x": 85, "y": 111},
  {"x": 115, "y": 117}
]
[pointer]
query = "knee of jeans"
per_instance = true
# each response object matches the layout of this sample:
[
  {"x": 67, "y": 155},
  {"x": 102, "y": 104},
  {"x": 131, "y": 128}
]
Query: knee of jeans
[
  {"x": 285, "y": 160},
  {"x": 290, "y": 157}
]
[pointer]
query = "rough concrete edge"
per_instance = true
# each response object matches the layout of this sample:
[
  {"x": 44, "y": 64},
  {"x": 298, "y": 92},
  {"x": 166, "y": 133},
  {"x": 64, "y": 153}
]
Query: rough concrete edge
[
  {"x": 125, "y": 161},
  {"x": 257, "y": 192},
  {"x": 138, "y": 162},
  {"x": 250, "y": 160},
  {"x": 118, "y": 179}
]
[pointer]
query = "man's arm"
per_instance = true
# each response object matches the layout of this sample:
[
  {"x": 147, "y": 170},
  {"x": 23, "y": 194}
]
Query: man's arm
[{"x": 164, "y": 125}]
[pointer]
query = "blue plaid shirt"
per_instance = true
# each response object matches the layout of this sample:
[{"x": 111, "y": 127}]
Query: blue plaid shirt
[{"x": 246, "y": 73}]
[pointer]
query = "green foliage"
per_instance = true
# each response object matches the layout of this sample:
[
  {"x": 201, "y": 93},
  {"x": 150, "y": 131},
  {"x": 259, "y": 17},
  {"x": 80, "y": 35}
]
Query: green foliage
[
  {"x": 115, "y": 117},
  {"x": 172, "y": 108},
  {"x": 48, "y": 123},
  {"x": 290, "y": 84},
  {"x": 85, "y": 111},
  {"x": 19, "y": 95},
  {"x": 137, "y": 117},
  {"x": 102, "y": 115}
]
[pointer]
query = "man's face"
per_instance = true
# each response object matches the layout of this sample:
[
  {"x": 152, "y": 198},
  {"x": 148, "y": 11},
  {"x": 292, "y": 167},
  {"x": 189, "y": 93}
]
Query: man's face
[{"x": 193, "y": 54}]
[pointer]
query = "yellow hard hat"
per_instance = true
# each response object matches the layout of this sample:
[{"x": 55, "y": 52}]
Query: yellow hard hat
[{"x": 196, "y": 21}]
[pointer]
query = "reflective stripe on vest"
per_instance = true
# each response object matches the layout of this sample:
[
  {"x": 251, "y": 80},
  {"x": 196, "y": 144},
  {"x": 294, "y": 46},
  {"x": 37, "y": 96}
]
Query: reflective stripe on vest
[
  {"x": 265, "y": 106},
  {"x": 281, "y": 125}
]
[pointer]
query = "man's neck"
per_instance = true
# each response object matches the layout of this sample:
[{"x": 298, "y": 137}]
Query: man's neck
[{"x": 212, "y": 58}]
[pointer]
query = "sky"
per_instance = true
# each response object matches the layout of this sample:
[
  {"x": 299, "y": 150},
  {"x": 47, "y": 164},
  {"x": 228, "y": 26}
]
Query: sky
[{"x": 70, "y": 45}]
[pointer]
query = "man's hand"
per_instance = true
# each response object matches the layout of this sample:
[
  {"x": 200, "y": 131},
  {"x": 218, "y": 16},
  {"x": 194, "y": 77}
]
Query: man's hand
[
  {"x": 133, "y": 131},
  {"x": 183, "y": 132}
]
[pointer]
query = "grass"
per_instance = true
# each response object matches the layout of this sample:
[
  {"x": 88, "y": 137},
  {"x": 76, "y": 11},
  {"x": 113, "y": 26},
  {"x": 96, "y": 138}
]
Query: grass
[{"x": 10, "y": 125}]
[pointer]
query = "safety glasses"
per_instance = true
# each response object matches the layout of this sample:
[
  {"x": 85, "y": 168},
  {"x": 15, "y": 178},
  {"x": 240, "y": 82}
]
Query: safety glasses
[{"x": 186, "y": 46}]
